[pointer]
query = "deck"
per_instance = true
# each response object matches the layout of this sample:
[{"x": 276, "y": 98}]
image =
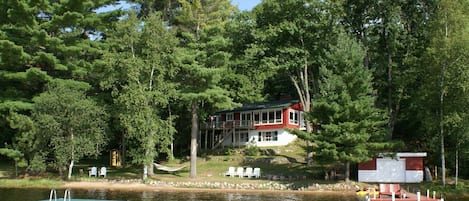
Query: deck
[{"x": 408, "y": 197}]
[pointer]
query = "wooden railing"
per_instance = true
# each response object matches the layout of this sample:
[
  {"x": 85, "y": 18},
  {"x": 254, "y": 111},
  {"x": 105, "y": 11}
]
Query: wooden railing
[{"x": 245, "y": 124}]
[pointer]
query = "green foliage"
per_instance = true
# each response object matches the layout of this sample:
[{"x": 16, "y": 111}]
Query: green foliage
[
  {"x": 138, "y": 70},
  {"x": 11, "y": 153},
  {"x": 350, "y": 126},
  {"x": 252, "y": 150},
  {"x": 69, "y": 122}
]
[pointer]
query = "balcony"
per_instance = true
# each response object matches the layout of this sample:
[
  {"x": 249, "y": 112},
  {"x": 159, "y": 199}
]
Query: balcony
[{"x": 238, "y": 124}]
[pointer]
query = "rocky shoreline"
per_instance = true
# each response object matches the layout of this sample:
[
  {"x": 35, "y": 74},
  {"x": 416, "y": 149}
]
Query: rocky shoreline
[{"x": 268, "y": 185}]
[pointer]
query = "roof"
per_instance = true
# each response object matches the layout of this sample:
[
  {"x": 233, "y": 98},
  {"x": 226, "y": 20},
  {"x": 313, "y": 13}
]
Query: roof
[{"x": 263, "y": 105}]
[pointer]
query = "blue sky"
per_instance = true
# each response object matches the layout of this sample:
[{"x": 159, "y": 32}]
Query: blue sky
[
  {"x": 242, "y": 5},
  {"x": 245, "y": 4}
]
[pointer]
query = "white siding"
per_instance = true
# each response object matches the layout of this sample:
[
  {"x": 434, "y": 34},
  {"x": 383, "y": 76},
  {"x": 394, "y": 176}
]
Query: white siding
[
  {"x": 283, "y": 138},
  {"x": 390, "y": 170},
  {"x": 414, "y": 176}
]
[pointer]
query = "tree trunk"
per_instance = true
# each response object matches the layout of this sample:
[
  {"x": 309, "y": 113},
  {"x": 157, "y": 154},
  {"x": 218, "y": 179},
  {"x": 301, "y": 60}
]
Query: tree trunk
[
  {"x": 457, "y": 165},
  {"x": 151, "y": 170},
  {"x": 70, "y": 168},
  {"x": 302, "y": 88},
  {"x": 347, "y": 171},
  {"x": 194, "y": 129},
  {"x": 145, "y": 172}
]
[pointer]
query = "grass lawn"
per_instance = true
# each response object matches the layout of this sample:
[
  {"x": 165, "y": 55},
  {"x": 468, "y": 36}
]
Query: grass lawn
[{"x": 211, "y": 166}]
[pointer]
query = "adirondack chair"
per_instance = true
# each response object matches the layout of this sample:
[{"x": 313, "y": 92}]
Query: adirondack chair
[
  {"x": 231, "y": 172},
  {"x": 103, "y": 172},
  {"x": 249, "y": 173},
  {"x": 257, "y": 172},
  {"x": 240, "y": 172},
  {"x": 388, "y": 189},
  {"x": 93, "y": 172}
]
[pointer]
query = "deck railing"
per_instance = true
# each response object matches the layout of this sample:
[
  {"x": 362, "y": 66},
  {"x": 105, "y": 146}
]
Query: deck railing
[{"x": 242, "y": 124}]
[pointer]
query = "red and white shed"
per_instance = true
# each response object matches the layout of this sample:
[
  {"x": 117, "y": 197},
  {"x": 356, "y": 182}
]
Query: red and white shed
[{"x": 403, "y": 168}]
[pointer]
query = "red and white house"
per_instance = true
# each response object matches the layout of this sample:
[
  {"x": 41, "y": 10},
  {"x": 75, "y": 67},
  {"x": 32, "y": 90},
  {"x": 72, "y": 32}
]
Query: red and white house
[
  {"x": 260, "y": 124},
  {"x": 402, "y": 168}
]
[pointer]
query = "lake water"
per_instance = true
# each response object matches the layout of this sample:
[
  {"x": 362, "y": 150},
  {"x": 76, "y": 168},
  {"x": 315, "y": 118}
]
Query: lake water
[
  {"x": 14, "y": 194},
  {"x": 11, "y": 194}
]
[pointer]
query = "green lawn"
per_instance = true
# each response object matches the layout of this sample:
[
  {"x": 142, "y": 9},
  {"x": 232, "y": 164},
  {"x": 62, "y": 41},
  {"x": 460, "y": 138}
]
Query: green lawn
[{"x": 211, "y": 165}]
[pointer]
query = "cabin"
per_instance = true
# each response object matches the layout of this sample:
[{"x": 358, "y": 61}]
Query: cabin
[
  {"x": 260, "y": 124},
  {"x": 403, "y": 167}
]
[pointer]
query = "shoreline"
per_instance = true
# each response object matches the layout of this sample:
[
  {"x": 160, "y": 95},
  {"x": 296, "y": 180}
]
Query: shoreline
[{"x": 147, "y": 187}]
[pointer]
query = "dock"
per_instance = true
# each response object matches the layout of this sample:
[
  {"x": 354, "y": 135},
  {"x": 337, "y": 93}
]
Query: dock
[{"x": 406, "y": 197}]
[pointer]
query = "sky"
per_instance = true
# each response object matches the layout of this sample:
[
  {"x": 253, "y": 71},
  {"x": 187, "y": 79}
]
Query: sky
[{"x": 245, "y": 4}]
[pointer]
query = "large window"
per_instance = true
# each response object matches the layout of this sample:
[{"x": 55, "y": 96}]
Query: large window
[
  {"x": 294, "y": 117},
  {"x": 268, "y": 136},
  {"x": 268, "y": 117}
]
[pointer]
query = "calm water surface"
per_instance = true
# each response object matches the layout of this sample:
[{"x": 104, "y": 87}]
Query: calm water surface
[{"x": 11, "y": 194}]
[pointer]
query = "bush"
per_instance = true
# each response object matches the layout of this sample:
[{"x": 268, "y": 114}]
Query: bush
[{"x": 252, "y": 150}]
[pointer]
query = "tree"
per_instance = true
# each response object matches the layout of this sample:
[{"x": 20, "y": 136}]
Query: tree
[
  {"x": 446, "y": 84},
  {"x": 72, "y": 124},
  {"x": 139, "y": 68},
  {"x": 291, "y": 37},
  {"x": 199, "y": 25},
  {"x": 42, "y": 40},
  {"x": 351, "y": 128}
]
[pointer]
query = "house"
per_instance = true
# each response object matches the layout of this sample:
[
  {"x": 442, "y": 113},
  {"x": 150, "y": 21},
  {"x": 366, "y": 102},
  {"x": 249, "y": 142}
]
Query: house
[
  {"x": 404, "y": 167},
  {"x": 261, "y": 124}
]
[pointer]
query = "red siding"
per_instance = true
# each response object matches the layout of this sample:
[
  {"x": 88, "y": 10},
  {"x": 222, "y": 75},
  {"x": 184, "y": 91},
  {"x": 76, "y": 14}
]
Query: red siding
[
  {"x": 413, "y": 163},
  {"x": 297, "y": 106},
  {"x": 370, "y": 165},
  {"x": 269, "y": 127},
  {"x": 237, "y": 116}
]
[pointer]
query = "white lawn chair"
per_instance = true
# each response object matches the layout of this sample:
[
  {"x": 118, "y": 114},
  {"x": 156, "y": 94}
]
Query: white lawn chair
[
  {"x": 231, "y": 172},
  {"x": 257, "y": 173},
  {"x": 93, "y": 172},
  {"x": 103, "y": 172},
  {"x": 240, "y": 172},
  {"x": 248, "y": 172}
]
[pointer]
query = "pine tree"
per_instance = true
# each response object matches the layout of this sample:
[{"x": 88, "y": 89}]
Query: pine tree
[
  {"x": 350, "y": 127},
  {"x": 202, "y": 61}
]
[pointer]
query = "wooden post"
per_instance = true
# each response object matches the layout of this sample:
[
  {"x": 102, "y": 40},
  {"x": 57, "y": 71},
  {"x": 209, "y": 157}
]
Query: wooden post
[
  {"x": 418, "y": 196},
  {"x": 393, "y": 196},
  {"x": 428, "y": 193}
]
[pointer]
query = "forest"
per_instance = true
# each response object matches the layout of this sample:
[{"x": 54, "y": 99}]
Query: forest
[{"x": 372, "y": 76}]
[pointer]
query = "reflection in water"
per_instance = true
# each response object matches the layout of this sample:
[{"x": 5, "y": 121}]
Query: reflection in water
[{"x": 11, "y": 194}]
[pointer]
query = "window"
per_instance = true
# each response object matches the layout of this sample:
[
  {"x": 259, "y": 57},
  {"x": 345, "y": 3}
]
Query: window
[
  {"x": 241, "y": 137},
  {"x": 268, "y": 117},
  {"x": 268, "y": 136},
  {"x": 265, "y": 118},
  {"x": 271, "y": 117},
  {"x": 246, "y": 119},
  {"x": 229, "y": 117},
  {"x": 294, "y": 117},
  {"x": 244, "y": 137},
  {"x": 278, "y": 116},
  {"x": 256, "y": 118}
]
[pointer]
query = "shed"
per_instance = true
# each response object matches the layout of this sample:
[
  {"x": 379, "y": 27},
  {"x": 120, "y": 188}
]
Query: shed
[{"x": 401, "y": 168}]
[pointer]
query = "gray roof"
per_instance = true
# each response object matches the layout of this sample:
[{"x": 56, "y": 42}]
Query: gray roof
[{"x": 262, "y": 105}]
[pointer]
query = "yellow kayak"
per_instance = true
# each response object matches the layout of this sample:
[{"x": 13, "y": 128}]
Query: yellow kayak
[{"x": 366, "y": 192}]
